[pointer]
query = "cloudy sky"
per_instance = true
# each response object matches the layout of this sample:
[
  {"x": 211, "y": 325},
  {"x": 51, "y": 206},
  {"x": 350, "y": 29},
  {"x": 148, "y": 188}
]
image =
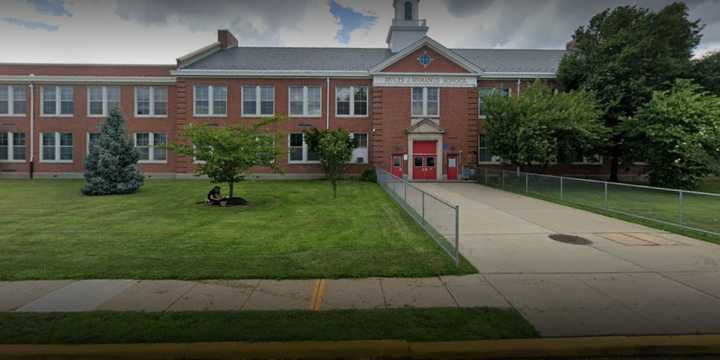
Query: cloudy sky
[{"x": 159, "y": 31}]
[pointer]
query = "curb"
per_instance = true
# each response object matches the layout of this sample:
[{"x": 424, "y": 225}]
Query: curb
[{"x": 482, "y": 349}]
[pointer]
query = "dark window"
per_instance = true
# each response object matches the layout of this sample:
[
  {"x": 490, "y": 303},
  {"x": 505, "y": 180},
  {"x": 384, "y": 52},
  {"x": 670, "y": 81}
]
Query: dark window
[
  {"x": 408, "y": 10},
  {"x": 430, "y": 161}
]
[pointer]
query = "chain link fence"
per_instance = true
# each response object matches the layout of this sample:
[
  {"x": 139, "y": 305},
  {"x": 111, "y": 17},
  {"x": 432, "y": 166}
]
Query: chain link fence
[
  {"x": 440, "y": 219},
  {"x": 687, "y": 209}
]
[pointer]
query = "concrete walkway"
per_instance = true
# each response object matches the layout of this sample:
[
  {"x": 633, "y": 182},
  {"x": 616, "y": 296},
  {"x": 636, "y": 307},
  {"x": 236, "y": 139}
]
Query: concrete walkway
[{"x": 631, "y": 280}]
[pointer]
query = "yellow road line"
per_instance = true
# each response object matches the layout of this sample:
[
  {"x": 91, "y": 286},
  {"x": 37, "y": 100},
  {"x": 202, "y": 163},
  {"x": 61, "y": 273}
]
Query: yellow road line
[{"x": 318, "y": 295}]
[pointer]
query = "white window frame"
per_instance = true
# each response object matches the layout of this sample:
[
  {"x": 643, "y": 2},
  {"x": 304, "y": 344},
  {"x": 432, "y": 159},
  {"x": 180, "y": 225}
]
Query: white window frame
[
  {"x": 358, "y": 149},
  {"x": 258, "y": 101},
  {"x": 151, "y": 91},
  {"x": 57, "y": 149},
  {"x": 424, "y": 102},
  {"x": 352, "y": 102},
  {"x": 211, "y": 101},
  {"x": 11, "y": 101},
  {"x": 510, "y": 94},
  {"x": 58, "y": 101},
  {"x": 493, "y": 159},
  {"x": 106, "y": 110},
  {"x": 306, "y": 102},
  {"x": 11, "y": 148},
  {"x": 87, "y": 142},
  {"x": 151, "y": 148},
  {"x": 305, "y": 149}
]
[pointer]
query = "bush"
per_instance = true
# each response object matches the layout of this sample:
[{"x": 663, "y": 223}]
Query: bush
[{"x": 369, "y": 175}]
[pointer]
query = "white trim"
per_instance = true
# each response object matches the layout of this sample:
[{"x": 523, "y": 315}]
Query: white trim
[
  {"x": 151, "y": 94},
  {"x": 211, "y": 101},
  {"x": 306, "y": 102},
  {"x": 258, "y": 101},
  {"x": 82, "y": 79},
  {"x": 57, "y": 147},
  {"x": 58, "y": 101},
  {"x": 424, "y": 102},
  {"x": 151, "y": 147},
  {"x": 106, "y": 110},
  {"x": 352, "y": 101},
  {"x": 199, "y": 54},
  {"x": 11, "y": 101},
  {"x": 434, "y": 45},
  {"x": 517, "y": 75}
]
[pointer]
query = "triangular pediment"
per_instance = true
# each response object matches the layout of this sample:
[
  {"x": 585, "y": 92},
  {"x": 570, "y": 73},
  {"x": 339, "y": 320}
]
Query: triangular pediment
[
  {"x": 425, "y": 126},
  {"x": 442, "y": 60}
]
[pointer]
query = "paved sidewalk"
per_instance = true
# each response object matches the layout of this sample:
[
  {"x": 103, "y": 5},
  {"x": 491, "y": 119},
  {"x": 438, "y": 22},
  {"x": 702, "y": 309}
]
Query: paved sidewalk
[{"x": 631, "y": 280}]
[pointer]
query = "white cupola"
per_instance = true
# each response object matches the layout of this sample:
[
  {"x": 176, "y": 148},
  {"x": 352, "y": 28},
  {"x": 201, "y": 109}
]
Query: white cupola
[{"x": 407, "y": 27}]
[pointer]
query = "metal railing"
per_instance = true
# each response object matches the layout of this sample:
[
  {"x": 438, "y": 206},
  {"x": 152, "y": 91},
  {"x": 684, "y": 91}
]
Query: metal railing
[
  {"x": 439, "y": 218},
  {"x": 692, "y": 210}
]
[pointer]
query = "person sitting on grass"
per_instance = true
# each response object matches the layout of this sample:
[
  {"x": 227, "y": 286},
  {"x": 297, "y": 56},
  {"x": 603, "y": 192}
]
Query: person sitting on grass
[{"x": 215, "y": 197}]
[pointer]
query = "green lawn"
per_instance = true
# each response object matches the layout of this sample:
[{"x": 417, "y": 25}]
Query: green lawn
[
  {"x": 292, "y": 229},
  {"x": 711, "y": 184},
  {"x": 398, "y": 324},
  {"x": 697, "y": 211}
]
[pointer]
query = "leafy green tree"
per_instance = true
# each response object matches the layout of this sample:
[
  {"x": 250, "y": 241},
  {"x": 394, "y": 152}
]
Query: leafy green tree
[
  {"x": 625, "y": 54},
  {"x": 706, "y": 72},
  {"x": 678, "y": 133},
  {"x": 225, "y": 154},
  {"x": 334, "y": 147},
  {"x": 111, "y": 165},
  {"x": 534, "y": 128}
]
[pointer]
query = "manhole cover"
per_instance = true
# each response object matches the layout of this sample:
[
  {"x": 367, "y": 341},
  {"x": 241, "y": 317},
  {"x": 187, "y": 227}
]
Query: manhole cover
[{"x": 570, "y": 239}]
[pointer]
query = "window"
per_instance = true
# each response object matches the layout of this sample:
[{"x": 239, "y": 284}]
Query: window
[
  {"x": 13, "y": 100},
  {"x": 12, "y": 147},
  {"x": 299, "y": 151},
  {"x": 305, "y": 101},
  {"x": 360, "y": 148},
  {"x": 408, "y": 10},
  {"x": 426, "y": 101},
  {"x": 151, "y": 147},
  {"x": 210, "y": 100},
  {"x": 151, "y": 101},
  {"x": 56, "y": 147},
  {"x": 485, "y": 92},
  {"x": 91, "y": 141},
  {"x": 102, "y": 99},
  {"x": 57, "y": 101},
  {"x": 351, "y": 101},
  {"x": 484, "y": 155},
  {"x": 258, "y": 100}
]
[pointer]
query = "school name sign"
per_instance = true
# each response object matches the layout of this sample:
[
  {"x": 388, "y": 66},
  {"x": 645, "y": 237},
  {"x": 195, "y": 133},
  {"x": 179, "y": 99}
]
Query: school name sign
[{"x": 425, "y": 80}]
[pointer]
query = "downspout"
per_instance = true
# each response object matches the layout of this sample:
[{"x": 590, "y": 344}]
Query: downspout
[
  {"x": 327, "y": 103},
  {"x": 518, "y": 87},
  {"x": 32, "y": 125}
]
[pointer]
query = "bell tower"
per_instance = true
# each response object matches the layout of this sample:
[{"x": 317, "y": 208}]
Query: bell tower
[{"x": 407, "y": 27}]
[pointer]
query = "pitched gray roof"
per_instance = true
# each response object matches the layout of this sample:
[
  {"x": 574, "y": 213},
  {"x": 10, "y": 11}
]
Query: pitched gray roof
[{"x": 362, "y": 59}]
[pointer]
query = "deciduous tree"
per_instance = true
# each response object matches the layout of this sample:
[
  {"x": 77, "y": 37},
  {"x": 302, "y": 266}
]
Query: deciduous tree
[{"x": 335, "y": 149}]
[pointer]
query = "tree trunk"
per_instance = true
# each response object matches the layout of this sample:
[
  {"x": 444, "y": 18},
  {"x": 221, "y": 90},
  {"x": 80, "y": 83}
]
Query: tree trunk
[
  {"x": 614, "y": 164},
  {"x": 334, "y": 187},
  {"x": 232, "y": 189}
]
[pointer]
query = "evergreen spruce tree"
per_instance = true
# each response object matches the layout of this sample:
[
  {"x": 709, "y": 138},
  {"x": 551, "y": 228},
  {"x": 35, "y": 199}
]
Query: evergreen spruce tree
[{"x": 111, "y": 166}]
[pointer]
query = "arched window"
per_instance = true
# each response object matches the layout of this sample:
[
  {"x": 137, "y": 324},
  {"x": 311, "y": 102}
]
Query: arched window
[{"x": 408, "y": 10}]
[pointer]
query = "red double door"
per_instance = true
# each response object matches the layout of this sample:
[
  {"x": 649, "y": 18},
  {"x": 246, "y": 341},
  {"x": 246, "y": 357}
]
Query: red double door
[{"x": 424, "y": 160}]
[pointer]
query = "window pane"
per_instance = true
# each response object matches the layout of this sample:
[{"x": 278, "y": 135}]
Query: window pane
[
  {"x": 19, "y": 100},
  {"x": 296, "y": 154},
  {"x": 360, "y": 108},
  {"x": 142, "y": 139},
  {"x": 4, "y": 107},
  {"x": 48, "y": 139},
  {"x": 66, "y": 139},
  {"x": 343, "y": 100},
  {"x": 417, "y": 94},
  {"x": 250, "y": 107},
  {"x": 95, "y": 93},
  {"x": 159, "y": 150},
  {"x": 361, "y": 101},
  {"x": 296, "y": 100},
  {"x": 19, "y": 146},
  {"x": 66, "y": 148},
  {"x": 417, "y": 108},
  {"x": 67, "y": 106},
  {"x": 296, "y": 139},
  {"x": 113, "y": 98},
  {"x": 314, "y": 100},
  {"x": 362, "y": 140},
  {"x": 433, "y": 93},
  {"x": 202, "y": 101},
  {"x": 249, "y": 100},
  {"x": 219, "y": 100},
  {"x": 92, "y": 140},
  {"x": 160, "y": 96},
  {"x": 312, "y": 156},
  {"x": 267, "y": 98},
  {"x": 142, "y": 100},
  {"x": 4, "y": 154},
  {"x": 432, "y": 108},
  {"x": 49, "y": 105}
]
